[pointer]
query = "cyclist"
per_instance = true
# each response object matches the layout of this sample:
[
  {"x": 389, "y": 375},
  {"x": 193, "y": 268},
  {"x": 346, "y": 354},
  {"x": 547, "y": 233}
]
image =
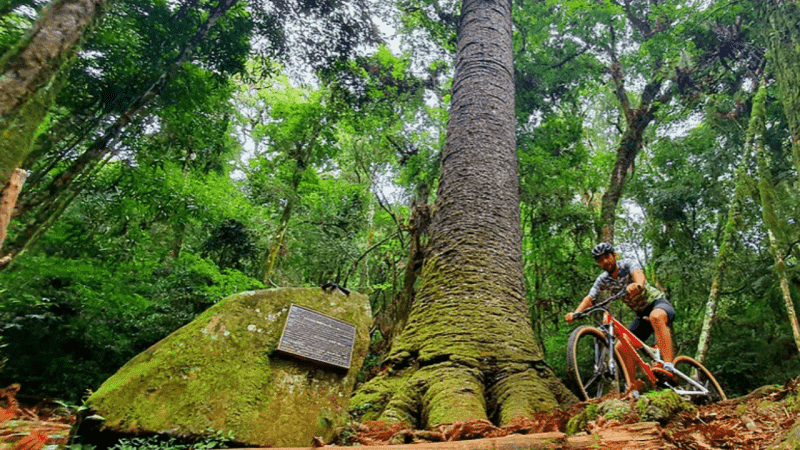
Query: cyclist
[{"x": 653, "y": 311}]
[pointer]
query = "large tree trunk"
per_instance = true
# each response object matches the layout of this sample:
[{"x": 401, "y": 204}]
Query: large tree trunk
[
  {"x": 399, "y": 309},
  {"x": 29, "y": 77},
  {"x": 468, "y": 350}
]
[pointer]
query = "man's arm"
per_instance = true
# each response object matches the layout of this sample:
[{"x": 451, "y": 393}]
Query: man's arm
[
  {"x": 585, "y": 303},
  {"x": 637, "y": 286}
]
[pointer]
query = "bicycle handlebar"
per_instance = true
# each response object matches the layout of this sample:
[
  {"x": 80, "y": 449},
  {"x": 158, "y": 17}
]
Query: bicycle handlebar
[{"x": 600, "y": 306}]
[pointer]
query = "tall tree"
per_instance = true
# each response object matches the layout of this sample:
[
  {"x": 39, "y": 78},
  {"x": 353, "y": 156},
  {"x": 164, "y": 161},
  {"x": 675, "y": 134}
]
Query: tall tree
[
  {"x": 468, "y": 350},
  {"x": 33, "y": 70},
  {"x": 783, "y": 38},
  {"x": 732, "y": 225}
]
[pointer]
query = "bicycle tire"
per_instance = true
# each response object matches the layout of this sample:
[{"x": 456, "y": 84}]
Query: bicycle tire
[
  {"x": 587, "y": 363},
  {"x": 698, "y": 372}
]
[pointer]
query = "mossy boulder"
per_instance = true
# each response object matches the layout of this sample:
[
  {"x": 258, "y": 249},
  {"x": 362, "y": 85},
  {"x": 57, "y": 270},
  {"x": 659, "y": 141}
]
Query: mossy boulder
[
  {"x": 614, "y": 408},
  {"x": 661, "y": 405},
  {"x": 578, "y": 422},
  {"x": 221, "y": 373}
]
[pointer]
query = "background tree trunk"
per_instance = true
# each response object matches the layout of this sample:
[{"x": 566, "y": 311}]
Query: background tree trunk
[
  {"x": 724, "y": 255},
  {"x": 50, "y": 202},
  {"x": 783, "y": 39},
  {"x": 636, "y": 122},
  {"x": 468, "y": 350},
  {"x": 29, "y": 78},
  {"x": 768, "y": 200},
  {"x": 8, "y": 198}
]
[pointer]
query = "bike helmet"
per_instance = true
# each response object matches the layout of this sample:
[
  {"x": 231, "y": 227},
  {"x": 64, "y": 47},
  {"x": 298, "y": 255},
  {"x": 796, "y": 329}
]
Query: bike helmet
[{"x": 601, "y": 249}]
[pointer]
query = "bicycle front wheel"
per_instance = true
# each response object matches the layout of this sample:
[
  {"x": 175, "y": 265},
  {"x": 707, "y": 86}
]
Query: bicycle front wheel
[
  {"x": 697, "y": 372},
  {"x": 589, "y": 362}
]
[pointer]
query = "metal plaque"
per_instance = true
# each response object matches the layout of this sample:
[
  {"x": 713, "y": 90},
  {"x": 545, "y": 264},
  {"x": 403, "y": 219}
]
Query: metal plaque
[{"x": 317, "y": 337}]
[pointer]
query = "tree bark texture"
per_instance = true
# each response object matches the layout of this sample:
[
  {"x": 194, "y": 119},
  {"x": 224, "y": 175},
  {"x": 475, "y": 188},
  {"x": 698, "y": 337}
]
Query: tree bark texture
[
  {"x": 8, "y": 198},
  {"x": 50, "y": 201},
  {"x": 728, "y": 234},
  {"x": 467, "y": 351},
  {"x": 29, "y": 77},
  {"x": 400, "y": 308}
]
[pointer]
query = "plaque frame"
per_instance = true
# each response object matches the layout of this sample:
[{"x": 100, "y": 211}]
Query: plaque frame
[{"x": 294, "y": 345}]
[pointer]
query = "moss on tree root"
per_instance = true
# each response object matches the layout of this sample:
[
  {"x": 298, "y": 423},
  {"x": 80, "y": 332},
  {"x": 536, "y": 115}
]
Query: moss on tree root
[
  {"x": 448, "y": 392},
  {"x": 467, "y": 353}
]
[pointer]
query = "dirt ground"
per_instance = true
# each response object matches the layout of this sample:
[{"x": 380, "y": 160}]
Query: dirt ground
[
  {"x": 759, "y": 420},
  {"x": 32, "y": 424}
]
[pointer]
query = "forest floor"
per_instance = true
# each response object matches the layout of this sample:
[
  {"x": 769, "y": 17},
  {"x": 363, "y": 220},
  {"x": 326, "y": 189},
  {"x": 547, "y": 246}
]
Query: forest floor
[{"x": 759, "y": 420}]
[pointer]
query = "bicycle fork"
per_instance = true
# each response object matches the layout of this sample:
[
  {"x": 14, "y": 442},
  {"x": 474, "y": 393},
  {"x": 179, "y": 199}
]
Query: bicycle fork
[{"x": 611, "y": 363}]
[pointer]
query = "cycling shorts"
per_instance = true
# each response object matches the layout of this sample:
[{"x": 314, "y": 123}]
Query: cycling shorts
[{"x": 642, "y": 328}]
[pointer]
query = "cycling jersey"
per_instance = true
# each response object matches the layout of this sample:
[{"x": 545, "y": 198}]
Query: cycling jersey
[{"x": 605, "y": 282}]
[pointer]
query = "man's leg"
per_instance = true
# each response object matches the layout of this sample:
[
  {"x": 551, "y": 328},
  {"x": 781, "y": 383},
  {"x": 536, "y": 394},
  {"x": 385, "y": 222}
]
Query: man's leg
[{"x": 660, "y": 322}]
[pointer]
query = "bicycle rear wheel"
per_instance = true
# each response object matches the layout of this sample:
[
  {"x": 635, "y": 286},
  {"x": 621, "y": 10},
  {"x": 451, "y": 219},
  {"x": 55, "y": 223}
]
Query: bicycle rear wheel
[
  {"x": 589, "y": 363},
  {"x": 702, "y": 376}
]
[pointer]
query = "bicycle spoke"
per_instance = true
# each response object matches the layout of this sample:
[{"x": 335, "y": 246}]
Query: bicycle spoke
[
  {"x": 696, "y": 382},
  {"x": 588, "y": 360}
]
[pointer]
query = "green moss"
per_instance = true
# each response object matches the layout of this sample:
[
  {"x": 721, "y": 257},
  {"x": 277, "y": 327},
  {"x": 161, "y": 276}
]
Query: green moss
[
  {"x": 523, "y": 393},
  {"x": 792, "y": 402},
  {"x": 661, "y": 405},
  {"x": 578, "y": 422},
  {"x": 791, "y": 441},
  {"x": 372, "y": 398},
  {"x": 452, "y": 393},
  {"x": 614, "y": 409},
  {"x": 219, "y": 372},
  {"x": 455, "y": 357}
]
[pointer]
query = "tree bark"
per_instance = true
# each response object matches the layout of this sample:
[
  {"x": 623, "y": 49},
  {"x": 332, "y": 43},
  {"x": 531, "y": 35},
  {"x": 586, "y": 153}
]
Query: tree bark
[
  {"x": 636, "y": 122},
  {"x": 49, "y": 202},
  {"x": 728, "y": 234},
  {"x": 8, "y": 198},
  {"x": 302, "y": 157},
  {"x": 629, "y": 147},
  {"x": 30, "y": 75},
  {"x": 400, "y": 308},
  {"x": 468, "y": 350}
]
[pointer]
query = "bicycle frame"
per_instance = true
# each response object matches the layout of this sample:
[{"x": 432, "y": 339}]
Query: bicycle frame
[{"x": 613, "y": 327}]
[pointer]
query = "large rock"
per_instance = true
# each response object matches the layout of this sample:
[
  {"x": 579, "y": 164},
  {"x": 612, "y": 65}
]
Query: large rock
[{"x": 221, "y": 373}]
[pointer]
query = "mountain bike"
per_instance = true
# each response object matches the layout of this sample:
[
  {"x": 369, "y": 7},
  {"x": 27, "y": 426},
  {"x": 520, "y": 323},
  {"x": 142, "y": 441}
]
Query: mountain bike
[{"x": 594, "y": 361}]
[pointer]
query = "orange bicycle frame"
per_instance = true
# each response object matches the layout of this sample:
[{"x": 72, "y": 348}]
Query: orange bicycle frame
[{"x": 620, "y": 333}]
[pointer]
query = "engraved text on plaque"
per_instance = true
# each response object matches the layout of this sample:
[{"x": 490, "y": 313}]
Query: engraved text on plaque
[{"x": 317, "y": 337}]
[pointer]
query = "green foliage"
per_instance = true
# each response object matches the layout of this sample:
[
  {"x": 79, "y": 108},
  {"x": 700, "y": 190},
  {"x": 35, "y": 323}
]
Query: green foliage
[
  {"x": 213, "y": 440},
  {"x": 70, "y": 323},
  {"x": 12, "y": 28}
]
